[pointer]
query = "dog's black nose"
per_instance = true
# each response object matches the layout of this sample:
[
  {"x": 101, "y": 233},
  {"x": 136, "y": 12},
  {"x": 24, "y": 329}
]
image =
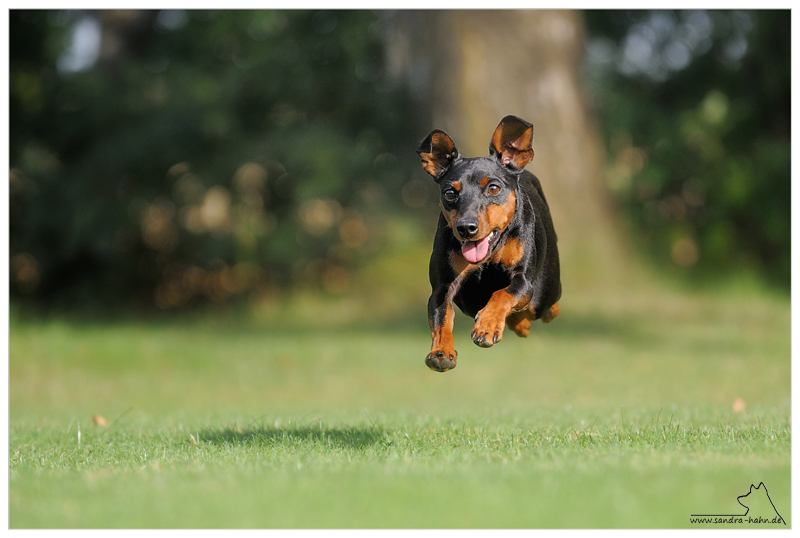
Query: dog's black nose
[{"x": 467, "y": 228}]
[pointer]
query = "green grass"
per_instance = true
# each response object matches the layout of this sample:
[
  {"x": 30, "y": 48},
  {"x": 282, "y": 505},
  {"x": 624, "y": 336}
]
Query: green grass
[{"x": 618, "y": 414}]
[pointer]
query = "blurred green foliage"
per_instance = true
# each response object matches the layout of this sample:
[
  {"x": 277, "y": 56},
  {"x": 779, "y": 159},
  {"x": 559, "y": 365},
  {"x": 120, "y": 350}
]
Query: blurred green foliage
[
  {"x": 174, "y": 158},
  {"x": 199, "y": 155},
  {"x": 695, "y": 110}
]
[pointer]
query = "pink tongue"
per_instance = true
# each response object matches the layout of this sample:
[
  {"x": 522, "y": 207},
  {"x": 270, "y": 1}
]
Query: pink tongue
[{"x": 475, "y": 251}]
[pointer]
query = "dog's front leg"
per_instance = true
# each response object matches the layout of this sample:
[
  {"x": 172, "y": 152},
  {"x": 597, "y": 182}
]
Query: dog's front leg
[
  {"x": 441, "y": 316},
  {"x": 491, "y": 320}
]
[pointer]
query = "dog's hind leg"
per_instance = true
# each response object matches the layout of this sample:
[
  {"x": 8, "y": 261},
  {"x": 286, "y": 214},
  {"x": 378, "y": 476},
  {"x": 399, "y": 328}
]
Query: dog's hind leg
[
  {"x": 520, "y": 322},
  {"x": 551, "y": 315}
]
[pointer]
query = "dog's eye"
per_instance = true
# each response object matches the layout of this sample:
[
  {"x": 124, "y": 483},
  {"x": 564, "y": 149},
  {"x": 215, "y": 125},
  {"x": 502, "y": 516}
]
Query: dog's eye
[
  {"x": 450, "y": 195},
  {"x": 493, "y": 189}
]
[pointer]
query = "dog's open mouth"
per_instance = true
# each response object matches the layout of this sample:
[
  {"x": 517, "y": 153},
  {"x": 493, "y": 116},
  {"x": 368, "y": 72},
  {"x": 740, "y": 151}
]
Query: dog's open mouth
[{"x": 476, "y": 251}]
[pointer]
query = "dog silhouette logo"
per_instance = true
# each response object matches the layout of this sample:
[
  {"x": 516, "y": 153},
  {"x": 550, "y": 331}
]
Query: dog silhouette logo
[
  {"x": 758, "y": 506},
  {"x": 758, "y": 503}
]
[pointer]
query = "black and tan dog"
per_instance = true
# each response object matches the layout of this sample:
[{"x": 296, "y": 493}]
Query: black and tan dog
[{"x": 495, "y": 253}]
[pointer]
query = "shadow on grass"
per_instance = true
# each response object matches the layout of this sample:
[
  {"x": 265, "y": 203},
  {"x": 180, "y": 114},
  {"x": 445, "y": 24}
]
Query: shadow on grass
[{"x": 355, "y": 437}]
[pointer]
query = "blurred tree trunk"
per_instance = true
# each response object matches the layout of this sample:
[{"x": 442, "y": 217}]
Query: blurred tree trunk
[{"x": 469, "y": 69}]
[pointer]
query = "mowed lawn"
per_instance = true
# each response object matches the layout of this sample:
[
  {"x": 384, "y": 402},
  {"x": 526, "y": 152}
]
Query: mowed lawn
[{"x": 639, "y": 411}]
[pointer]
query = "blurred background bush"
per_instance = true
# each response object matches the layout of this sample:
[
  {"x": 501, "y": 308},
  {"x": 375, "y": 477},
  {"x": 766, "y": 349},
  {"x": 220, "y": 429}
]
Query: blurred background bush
[
  {"x": 695, "y": 113},
  {"x": 172, "y": 159}
]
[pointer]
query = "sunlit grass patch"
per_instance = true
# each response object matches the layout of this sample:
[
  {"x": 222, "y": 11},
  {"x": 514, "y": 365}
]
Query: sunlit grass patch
[{"x": 631, "y": 414}]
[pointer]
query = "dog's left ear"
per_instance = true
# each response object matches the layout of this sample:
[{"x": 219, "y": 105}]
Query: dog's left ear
[
  {"x": 437, "y": 153},
  {"x": 511, "y": 142}
]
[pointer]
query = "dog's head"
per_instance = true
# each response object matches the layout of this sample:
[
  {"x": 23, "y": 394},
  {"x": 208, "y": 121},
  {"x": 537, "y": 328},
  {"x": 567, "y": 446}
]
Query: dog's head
[{"x": 479, "y": 195}]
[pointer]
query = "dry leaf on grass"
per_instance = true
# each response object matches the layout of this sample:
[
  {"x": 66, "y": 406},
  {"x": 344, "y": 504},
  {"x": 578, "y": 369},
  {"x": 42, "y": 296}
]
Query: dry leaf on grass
[{"x": 99, "y": 421}]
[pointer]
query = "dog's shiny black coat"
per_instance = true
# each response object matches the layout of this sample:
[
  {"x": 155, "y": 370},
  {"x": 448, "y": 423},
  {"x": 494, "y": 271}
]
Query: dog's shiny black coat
[{"x": 489, "y": 199}]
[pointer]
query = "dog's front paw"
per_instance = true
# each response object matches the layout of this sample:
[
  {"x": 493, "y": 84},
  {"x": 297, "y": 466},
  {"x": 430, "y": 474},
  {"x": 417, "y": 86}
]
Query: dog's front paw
[
  {"x": 441, "y": 361},
  {"x": 488, "y": 330}
]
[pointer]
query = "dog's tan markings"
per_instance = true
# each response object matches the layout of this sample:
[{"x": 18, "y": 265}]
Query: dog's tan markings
[
  {"x": 442, "y": 152},
  {"x": 519, "y": 322},
  {"x": 488, "y": 329},
  {"x": 458, "y": 263},
  {"x": 444, "y": 141},
  {"x": 442, "y": 345},
  {"x": 456, "y": 186},
  {"x": 502, "y": 308},
  {"x": 554, "y": 311},
  {"x": 442, "y": 336},
  {"x": 521, "y": 317},
  {"x": 497, "y": 216},
  {"x": 428, "y": 165},
  {"x": 510, "y": 252},
  {"x": 443, "y": 349},
  {"x": 483, "y": 182},
  {"x": 513, "y": 142}
]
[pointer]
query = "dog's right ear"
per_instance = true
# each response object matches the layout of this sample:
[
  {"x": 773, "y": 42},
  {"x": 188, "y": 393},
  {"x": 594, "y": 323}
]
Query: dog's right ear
[
  {"x": 511, "y": 142},
  {"x": 437, "y": 153}
]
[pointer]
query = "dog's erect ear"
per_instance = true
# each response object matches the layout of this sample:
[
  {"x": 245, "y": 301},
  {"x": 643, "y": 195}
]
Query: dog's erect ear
[
  {"x": 511, "y": 142},
  {"x": 437, "y": 153}
]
